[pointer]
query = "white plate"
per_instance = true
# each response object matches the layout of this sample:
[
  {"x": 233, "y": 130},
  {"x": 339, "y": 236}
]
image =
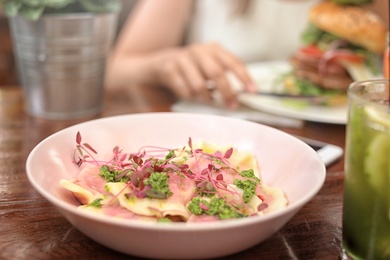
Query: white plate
[{"x": 264, "y": 74}]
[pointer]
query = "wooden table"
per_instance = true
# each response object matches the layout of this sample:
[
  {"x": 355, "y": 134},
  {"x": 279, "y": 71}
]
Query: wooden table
[{"x": 31, "y": 228}]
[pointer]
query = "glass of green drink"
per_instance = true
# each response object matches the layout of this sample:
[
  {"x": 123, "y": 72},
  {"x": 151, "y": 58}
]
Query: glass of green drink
[{"x": 366, "y": 211}]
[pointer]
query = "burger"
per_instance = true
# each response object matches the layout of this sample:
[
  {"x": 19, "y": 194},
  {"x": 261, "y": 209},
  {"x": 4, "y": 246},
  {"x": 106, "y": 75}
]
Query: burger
[{"x": 341, "y": 44}]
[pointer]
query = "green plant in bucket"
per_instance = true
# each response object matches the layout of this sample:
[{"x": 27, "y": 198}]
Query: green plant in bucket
[{"x": 34, "y": 9}]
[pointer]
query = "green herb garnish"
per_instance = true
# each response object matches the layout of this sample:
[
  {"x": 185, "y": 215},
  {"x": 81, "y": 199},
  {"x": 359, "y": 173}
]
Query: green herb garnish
[
  {"x": 158, "y": 182},
  {"x": 96, "y": 203},
  {"x": 214, "y": 207},
  {"x": 249, "y": 174},
  {"x": 164, "y": 220},
  {"x": 112, "y": 175},
  {"x": 170, "y": 154},
  {"x": 249, "y": 188}
]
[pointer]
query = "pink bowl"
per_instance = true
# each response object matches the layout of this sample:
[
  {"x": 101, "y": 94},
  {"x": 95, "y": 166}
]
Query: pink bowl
[{"x": 285, "y": 162}]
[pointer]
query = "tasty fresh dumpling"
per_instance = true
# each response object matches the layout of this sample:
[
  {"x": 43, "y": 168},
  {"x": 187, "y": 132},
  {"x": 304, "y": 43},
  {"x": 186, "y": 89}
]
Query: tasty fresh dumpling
[
  {"x": 81, "y": 194},
  {"x": 240, "y": 160},
  {"x": 175, "y": 205}
]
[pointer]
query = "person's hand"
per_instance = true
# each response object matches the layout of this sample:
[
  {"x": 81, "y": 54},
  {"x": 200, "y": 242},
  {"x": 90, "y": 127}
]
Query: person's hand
[{"x": 193, "y": 72}]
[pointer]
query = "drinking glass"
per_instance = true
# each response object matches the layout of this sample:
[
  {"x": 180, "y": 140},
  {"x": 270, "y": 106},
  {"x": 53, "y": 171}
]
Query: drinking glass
[{"x": 366, "y": 211}]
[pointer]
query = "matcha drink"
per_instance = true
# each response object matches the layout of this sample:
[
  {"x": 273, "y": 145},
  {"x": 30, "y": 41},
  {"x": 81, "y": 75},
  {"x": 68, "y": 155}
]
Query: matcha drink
[{"x": 366, "y": 212}]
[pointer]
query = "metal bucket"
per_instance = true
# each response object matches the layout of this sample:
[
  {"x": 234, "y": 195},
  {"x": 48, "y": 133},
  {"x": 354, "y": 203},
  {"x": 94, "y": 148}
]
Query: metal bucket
[{"x": 61, "y": 62}]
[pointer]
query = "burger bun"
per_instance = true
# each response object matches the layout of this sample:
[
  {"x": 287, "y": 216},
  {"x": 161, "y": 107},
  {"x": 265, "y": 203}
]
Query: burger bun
[{"x": 353, "y": 23}]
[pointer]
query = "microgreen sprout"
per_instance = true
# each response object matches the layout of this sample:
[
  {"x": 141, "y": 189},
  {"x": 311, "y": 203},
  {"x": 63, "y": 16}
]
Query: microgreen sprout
[
  {"x": 81, "y": 149},
  {"x": 147, "y": 173}
]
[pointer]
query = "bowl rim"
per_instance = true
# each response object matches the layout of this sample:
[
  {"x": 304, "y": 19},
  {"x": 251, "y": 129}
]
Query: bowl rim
[{"x": 176, "y": 226}]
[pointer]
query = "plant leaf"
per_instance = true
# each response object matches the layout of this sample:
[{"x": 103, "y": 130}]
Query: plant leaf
[
  {"x": 190, "y": 142},
  {"x": 90, "y": 148},
  {"x": 228, "y": 153},
  {"x": 32, "y": 13},
  {"x": 78, "y": 138},
  {"x": 57, "y": 4},
  {"x": 12, "y": 8},
  {"x": 80, "y": 150},
  {"x": 101, "y": 6}
]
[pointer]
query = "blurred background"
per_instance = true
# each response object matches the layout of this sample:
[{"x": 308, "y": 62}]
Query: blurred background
[{"x": 8, "y": 73}]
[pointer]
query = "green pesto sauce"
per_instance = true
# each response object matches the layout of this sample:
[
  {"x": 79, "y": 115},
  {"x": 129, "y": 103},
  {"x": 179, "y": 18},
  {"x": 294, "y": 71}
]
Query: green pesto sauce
[
  {"x": 216, "y": 207},
  {"x": 96, "y": 203},
  {"x": 158, "y": 182},
  {"x": 250, "y": 174},
  {"x": 164, "y": 220},
  {"x": 111, "y": 175},
  {"x": 249, "y": 188}
]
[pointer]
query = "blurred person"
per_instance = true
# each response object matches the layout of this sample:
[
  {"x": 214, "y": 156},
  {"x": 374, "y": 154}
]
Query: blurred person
[{"x": 188, "y": 46}]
